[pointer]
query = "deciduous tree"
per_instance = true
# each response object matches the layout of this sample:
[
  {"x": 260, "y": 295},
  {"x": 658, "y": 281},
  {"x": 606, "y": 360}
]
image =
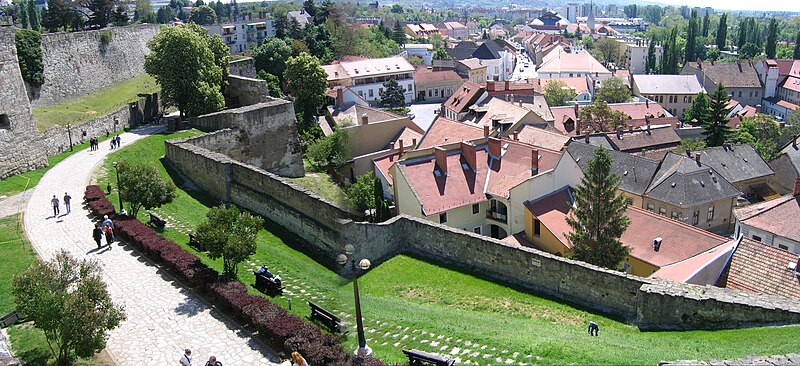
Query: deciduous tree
[
  {"x": 392, "y": 95},
  {"x": 598, "y": 216},
  {"x": 271, "y": 56},
  {"x": 714, "y": 120},
  {"x": 306, "y": 83},
  {"x": 557, "y": 93},
  {"x": 142, "y": 186},
  {"x": 273, "y": 83},
  {"x": 608, "y": 49},
  {"x": 67, "y": 299},
  {"x": 203, "y": 15},
  {"x": 29, "y": 52},
  {"x": 330, "y": 151},
  {"x": 613, "y": 90},
  {"x": 230, "y": 234},
  {"x": 600, "y": 117}
]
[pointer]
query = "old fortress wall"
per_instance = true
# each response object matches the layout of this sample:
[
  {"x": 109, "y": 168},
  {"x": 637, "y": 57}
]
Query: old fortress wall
[{"x": 326, "y": 229}]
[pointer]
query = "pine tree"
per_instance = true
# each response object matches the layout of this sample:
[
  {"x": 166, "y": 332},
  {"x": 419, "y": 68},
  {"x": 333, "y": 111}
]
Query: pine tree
[
  {"x": 741, "y": 37},
  {"x": 722, "y": 32},
  {"x": 598, "y": 217},
  {"x": 691, "y": 37},
  {"x": 706, "y": 22},
  {"x": 23, "y": 13},
  {"x": 772, "y": 38},
  {"x": 699, "y": 106},
  {"x": 714, "y": 120},
  {"x": 399, "y": 35},
  {"x": 796, "y": 53},
  {"x": 650, "y": 62}
]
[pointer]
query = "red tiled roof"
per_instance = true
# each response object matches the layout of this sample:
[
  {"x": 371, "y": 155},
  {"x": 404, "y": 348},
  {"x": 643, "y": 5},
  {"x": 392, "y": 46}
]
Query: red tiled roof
[
  {"x": 637, "y": 111},
  {"x": 791, "y": 83},
  {"x": 463, "y": 97},
  {"x": 779, "y": 216},
  {"x": 540, "y": 137},
  {"x": 515, "y": 166},
  {"x": 760, "y": 268},
  {"x": 683, "y": 271},
  {"x": 424, "y": 75},
  {"x": 445, "y": 131},
  {"x": 384, "y": 163},
  {"x": 552, "y": 211}
]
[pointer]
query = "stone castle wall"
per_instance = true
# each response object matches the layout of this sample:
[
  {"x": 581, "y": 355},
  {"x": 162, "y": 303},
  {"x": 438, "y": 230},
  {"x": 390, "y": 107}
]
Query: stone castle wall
[
  {"x": 243, "y": 67},
  {"x": 78, "y": 63},
  {"x": 20, "y": 150},
  {"x": 247, "y": 90}
]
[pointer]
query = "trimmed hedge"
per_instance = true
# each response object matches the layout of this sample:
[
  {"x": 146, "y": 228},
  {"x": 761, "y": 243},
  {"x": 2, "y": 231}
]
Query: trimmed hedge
[{"x": 276, "y": 325}]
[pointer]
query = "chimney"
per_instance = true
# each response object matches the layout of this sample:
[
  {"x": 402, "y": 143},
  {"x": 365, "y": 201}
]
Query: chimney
[
  {"x": 657, "y": 244},
  {"x": 794, "y": 142},
  {"x": 796, "y": 191},
  {"x": 469, "y": 154},
  {"x": 391, "y": 145},
  {"x": 512, "y": 98},
  {"x": 441, "y": 159},
  {"x": 578, "y": 126},
  {"x": 485, "y": 131},
  {"x": 647, "y": 103},
  {"x": 689, "y": 152},
  {"x": 516, "y": 136},
  {"x": 339, "y": 97},
  {"x": 520, "y": 103},
  {"x": 576, "y": 110},
  {"x": 619, "y": 132},
  {"x": 586, "y": 137},
  {"x": 648, "y": 127},
  {"x": 534, "y": 162},
  {"x": 758, "y": 108},
  {"x": 401, "y": 147},
  {"x": 364, "y": 119},
  {"x": 630, "y": 128},
  {"x": 697, "y": 157},
  {"x": 494, "y": 146}
]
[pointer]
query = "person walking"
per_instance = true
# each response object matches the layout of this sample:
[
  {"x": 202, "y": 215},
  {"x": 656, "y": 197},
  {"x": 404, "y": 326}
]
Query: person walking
[
  {"x": 212, "y": 361},
  {"x": 119, "y": 140},
  {"x": 54, "y": 202},
  {"x": 67, "y": 199},
  {"x": 107, "y": 222},
  {"x": 109, "y": 235},
  {"x": 298, "y": 360},
  {"x": 186, "y": 359},
  {"x": 112, "y": 144},
  {"x": 97, "y": 234}
]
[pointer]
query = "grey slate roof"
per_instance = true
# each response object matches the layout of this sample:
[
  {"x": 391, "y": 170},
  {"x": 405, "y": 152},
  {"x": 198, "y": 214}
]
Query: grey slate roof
[
  {"x": 489, "y": 50},
  {"x": 735, "y": 163},
  {"x": 462, "y": 51},
  {"x": 635, "y": 172},
  {"x": 738, "y": 74},
  {"x": 793, "y": 153},
  {"x": 683, "y": 182}
]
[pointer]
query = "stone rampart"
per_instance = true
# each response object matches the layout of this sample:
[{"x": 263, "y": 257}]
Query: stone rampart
[
  {"x": 20, "y": 150},
  {"x": 247, "y": 90},
  {"x": 243, "y": 67},
  {"x": 57, "y": 139},
  {"x": 79, "y": 63}
]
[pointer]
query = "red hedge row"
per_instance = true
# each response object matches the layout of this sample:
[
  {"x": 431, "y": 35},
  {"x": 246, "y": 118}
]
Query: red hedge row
[{"x": 279, "y": 327}]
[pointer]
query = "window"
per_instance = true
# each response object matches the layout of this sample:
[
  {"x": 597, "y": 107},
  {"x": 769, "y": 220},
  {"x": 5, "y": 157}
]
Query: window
[
  {"x": 695, "y": 217},
  {"x": 476, "y": 230},
  {"x": 756, "y": 93},
  {"x": 751, "y": 94},
  {"x": 675, "y": 215},
  {"x": 784, "y": 247},
  {"x": 476, "y": 208},
  {"x": 756, "y": 238},
  {"x": 570, "y": 75},
  {"x": 380, "y": 90},
  {"x": 409, "y": 87},
  {"x": 430, "y": 94},
  {"x": 685, "y": 98},
  {"x": 690, "y": 99},
  {"x": 627, "y": 267},
  {"x": 443, "y": 217},
  {"x": 740, "y": 93},
  {"x": 710, "y": 213},
  {"x": 629, "y": 200},
  {"x": 361, "y": 93},
  {"x": 537, "y": 227},
  {"x": 370, "y": 93},
  {"x": 651, "y": 207},
  {"x": 662, "y": 210},
  {"x": 5, "y": 122},
  {"x": 436, "y": 92}
]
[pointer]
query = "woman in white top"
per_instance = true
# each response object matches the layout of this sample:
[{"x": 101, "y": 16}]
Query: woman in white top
[{"x": 298, "y": 360}]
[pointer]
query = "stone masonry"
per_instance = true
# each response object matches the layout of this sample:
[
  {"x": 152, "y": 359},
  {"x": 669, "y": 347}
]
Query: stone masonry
[
  {"x": 17, "y": 127},
  {"x": 78, "y": 63}
]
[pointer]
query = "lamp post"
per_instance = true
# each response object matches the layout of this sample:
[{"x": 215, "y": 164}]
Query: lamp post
[
  {"x": 364, "y": 264},
  {"x": 69, "y": 133},
  {"x": 119, "y": 188}
]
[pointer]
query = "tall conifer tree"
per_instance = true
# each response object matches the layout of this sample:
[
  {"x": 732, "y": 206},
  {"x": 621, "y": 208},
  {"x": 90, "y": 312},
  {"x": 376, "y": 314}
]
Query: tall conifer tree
[
  {"x": 715, "y": 122},
  {"x": 722, "y": 32}
]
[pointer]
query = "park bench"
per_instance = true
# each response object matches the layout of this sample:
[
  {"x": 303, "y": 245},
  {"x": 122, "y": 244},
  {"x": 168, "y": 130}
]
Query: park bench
[
  {"x": 268, "y": 285},
  {"x": 10, "y": 319},
  {"x": 157, "y": 221},
  {"x": 327, "y": 318},
  {"x": 419, "y": 358}
]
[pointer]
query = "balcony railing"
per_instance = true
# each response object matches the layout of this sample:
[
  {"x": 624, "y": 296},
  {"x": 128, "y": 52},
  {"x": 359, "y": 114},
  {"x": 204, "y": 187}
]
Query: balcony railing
[{"x": 497, "y": 216}]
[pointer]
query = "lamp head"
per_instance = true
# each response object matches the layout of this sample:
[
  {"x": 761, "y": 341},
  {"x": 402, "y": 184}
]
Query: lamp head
[
  {"x": 114, "y": 164},
  {"x": 349, "y": 249},
  {"x": 341, "y": 259},
  {"x": 364, "y": 264}
]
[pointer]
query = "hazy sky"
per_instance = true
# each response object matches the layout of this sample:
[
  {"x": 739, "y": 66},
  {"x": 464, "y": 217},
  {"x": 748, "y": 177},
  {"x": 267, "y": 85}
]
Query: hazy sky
[{"x": 785, "y": 5}]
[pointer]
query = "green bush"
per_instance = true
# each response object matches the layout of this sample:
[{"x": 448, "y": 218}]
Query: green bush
[
  {"x": 105, "y": 38},
  {"x": 29, "y": 52}
]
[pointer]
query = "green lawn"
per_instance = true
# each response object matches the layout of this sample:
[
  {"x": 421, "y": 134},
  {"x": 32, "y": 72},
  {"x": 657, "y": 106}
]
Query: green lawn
[
  {"x": 20, "y": 182},
  {"x": 411, "y": 303},
  {"x": 97, "y": 104},
  {"x": 16, "y": 255}
]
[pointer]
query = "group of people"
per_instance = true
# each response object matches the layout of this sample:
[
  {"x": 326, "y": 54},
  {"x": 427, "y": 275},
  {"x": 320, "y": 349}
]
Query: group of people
[
  {"x": 115, "y": 142},
  {"x": 106, "y": 230},
  {"x": 296, "y": 360},
  {"x": 57, "y": 204},
  {"x": 94, "y": 144}
]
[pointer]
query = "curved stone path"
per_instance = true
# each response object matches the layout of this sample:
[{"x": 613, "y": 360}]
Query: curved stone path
[{"x": 163, "y": 317}]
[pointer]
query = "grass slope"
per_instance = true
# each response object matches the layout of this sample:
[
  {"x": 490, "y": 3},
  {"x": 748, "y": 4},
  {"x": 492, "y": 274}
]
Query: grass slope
[
  {"x": 409, "y": 292},
  {"x": 16, "y": 255},
  {"x": 97, "y": 104}
]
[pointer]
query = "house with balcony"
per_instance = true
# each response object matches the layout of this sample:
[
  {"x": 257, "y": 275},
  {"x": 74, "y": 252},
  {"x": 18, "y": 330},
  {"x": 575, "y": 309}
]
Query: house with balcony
[
  {"x": 366, "y": 77},
  {"x": 242, "y": 35}
]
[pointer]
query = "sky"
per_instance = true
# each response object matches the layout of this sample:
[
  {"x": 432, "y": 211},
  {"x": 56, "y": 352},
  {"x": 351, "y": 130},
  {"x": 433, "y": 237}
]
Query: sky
[{"x": 783, "y": 5}]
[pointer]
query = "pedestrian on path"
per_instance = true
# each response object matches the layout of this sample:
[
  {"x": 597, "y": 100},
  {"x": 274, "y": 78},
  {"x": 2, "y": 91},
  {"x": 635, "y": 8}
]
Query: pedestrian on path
[
  {"x": 212, "y": 361},
  {"x": 54, "y": 201},
  {"x": 112, "y": 144},
  {"x": 298, "y": 360},
  {"x": 67, "y": 198},
  {"x": 186, "y": 359},
  {"x": 97, "y": 234},
  {"x": 119, "y": 140},
  {"x": 107, "y": 222},
  {"x": 109, "y": 235}
]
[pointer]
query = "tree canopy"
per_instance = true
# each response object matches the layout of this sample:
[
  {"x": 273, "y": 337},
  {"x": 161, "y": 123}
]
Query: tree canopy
[
  {"x": 203, "y": 15},
  {"x": 557, "y": 93},
  {"x": 695, "y": 112},
  {"x": 306, "y": 83},
  {"x": 613, "y": 90},
  {"x": 142, "y": 186},
  {"x": 598, "y": 217},
  {"x": 271, "y": 56},
  {"x": 714, "y": 119},
  {"x": 230, "y": 234},
  {"x": 599, "y": 117},
  {"x": 330, "y": 151},
  {"x": 392, "y": 95}
]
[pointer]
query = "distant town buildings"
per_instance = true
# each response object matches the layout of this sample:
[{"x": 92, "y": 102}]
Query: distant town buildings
[
  {"x": 243, "y": 35},
  {"x": 366, "y": 77}
]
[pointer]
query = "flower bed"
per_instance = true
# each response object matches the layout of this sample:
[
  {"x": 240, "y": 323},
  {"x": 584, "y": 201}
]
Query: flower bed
[{"x": 276, "y": 325}]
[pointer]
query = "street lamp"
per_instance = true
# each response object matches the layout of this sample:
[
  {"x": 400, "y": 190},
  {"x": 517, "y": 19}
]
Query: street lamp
[
  {"x": 119, "y": 188},
  {"x": 364, "y": 264}
]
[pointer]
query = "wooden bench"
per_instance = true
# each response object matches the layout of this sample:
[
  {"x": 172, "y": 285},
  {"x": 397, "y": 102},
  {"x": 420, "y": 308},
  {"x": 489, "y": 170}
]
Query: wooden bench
[
  {"x": 268, "y": 285},
  {"x": 157, "y": 221},
  {"x": 327, "y": 318},
  {"x": 10, "y": 319},
  {"x": 419, "y": 358}
]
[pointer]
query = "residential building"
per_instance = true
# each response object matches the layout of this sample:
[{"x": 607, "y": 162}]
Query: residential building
[
  {"x": 421, "y": 30},
  {"x": 786, "y": 167},
  {"x": 421, "y": 50},
  {"x": 500, "y": 115},
  {"x": 366, "y": 77},
  {"x": 673, "y": 92},
  {"x": 568, "y": 65},
  {"x": 633, "y": 51},
  {"x": 454, "y": 30},
  {"x": 659, "y": 246},
  {"x": 773, "y": 73},
  {"x": 473, "y": 27},
  {"x": 762, "y": 269},
  {"x": 566, "y": 121},
  {"x": 471, "y": 69},
  {"x": 648, "y": 139},
  {"x": 457, "y": 106},
  {"x": 301, "y": 16},
  {"x": 579, "y": 85},
  {"x": 549, "y": 22},
  {"x": 775, "y": 223},
  {"x": 742, "y": 166},
  {"x": 739, "y": 78},
  {"x": 242, "y": 35},
  {"x": 436, "y": 85},
  {"x": 789, "y": 90},
  {"x": 572, "y": 12},
  {"x": 778, "y": 108},
  {"x": 498, "y": 60},
  {"x": 535, "y": 135}
]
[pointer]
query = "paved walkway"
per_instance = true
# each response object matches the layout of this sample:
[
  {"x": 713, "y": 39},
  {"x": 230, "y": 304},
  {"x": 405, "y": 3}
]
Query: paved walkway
[
  {"x": 163, "y": 317},
  {"x": 14, "y": 204}
]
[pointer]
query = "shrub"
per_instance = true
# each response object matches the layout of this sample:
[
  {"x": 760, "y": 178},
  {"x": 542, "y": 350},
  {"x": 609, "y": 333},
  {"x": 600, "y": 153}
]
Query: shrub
[
  {"x": 105, "y": 38},
  {"x": 29, "y": 52},
  {"x": 93, "y": 193}
]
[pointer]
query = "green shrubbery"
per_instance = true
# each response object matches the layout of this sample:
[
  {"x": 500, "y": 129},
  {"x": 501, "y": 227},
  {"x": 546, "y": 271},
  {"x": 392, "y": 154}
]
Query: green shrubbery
[{"x": 29, "y": 52}]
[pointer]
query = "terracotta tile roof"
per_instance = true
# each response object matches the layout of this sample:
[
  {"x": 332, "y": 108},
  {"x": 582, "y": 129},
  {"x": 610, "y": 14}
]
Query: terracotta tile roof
[
  {"x": 779, "y": 216},
  {"x": 424, "y": 75},
  {"x": 552, "y": 211},
  {"x": 791, "y": 83},
  {"x": 497, "y": 110},
  {"x": 785, "y": 67},
  {"x": 445, "y": 131},
  {"x": 384, "y": 163},
  {"x": 760, "y": 268},
  {"x": 686, "y": 270},
  {"x": 541, "y": 137},
  {"x": 574, "y": 63},
  {"x": 472, "y": 63},
  {"x": 514, "y": 166},
  {"x": 637, "y": 111},
  {"x": 464, "y": 97}
]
